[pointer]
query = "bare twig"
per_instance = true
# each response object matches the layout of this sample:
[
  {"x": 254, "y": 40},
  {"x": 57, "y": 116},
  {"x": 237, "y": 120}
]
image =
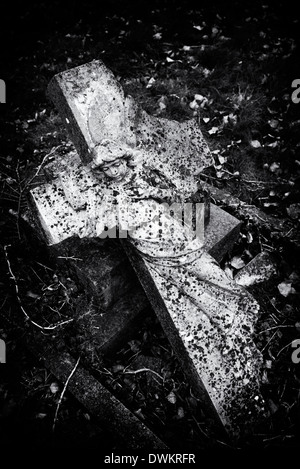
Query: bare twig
[
  {"x": 70, "y": 257},
  {"x": 62, "y": 394},
  {"x": 287, "y": 345},
  {"x": 269, "y": 341},
  {"x": 141, "y": 370},
  {"x": 42, "y": 265},
  {"x": 41, "y": 165},
  {"x": 13, "y": 277},
  {"x": 23, "y": 187}
]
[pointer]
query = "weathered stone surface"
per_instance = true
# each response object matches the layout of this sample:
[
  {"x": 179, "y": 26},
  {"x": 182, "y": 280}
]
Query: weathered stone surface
[
  {"x": 104, "y": 270},
  {"x": 94, "y": 107},
  {"x": 281, "y": 226},
  {"x": 115, "y": 300},
  {"x": 56, "y": 206},
  {"x": 113, "y": 328},
  {"x": 231, "y": 399},
  {"x": 105, "y": 408},
  {"x": 101, "y": 266},
  {"x": 221, "y": 233},
  {"x": 261, "y": 268}
]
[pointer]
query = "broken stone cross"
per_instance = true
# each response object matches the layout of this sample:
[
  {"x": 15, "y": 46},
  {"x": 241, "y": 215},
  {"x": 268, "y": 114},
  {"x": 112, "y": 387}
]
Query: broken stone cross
[{"x": 93, "y": 106}]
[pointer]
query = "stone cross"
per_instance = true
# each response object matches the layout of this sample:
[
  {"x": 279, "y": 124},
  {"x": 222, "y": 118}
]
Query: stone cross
[{"x": 93, "y": 106}]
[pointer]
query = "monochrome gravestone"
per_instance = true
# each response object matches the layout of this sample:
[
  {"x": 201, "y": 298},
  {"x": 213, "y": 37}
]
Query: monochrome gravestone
[{"x": 94, "y": 107}]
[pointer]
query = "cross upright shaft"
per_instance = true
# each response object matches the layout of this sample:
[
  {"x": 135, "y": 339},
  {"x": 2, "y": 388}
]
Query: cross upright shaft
[{"x": 93, "y": 106}]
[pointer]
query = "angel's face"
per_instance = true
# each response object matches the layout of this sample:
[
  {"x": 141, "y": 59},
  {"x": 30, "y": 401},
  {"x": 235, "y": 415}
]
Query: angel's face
[{"x": 114, "y": 170}]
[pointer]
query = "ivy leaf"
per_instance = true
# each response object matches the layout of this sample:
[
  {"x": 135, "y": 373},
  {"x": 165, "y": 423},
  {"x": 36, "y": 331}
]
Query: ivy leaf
[{"x": 171, "y": 397}]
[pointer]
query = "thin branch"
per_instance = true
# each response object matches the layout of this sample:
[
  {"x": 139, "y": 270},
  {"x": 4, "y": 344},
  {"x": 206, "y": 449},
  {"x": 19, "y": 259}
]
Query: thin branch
[
  {"x": 62, "y": 394},
  {"x": 70, "y": 257},
  {"x": 287, "y": 345},
  {"x": 48, "y": 268},
  {"x": 141, "y": 370},
  {"x": 274, "y": 327},
  {"x": 268, "y": 341},
  {"x": 13, "y": 277},
  {"x": 41, "y": 165}
]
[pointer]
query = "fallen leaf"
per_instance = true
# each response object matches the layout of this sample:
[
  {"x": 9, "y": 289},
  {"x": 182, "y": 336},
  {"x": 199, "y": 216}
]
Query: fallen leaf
[
  {"x": 30, "y": 294},
  {"x": 237, "y": 262},
  {"x": 294, "y": 277},
  {"x": 150, "y": 82},
  {"x": 213, "y": 130},
  {"x": 206, "y": 72},
  {"x": 40, "y": 415},
  {"x": 171, "y": 397},
  {"x": 117, "y": 368},
  {"x": 193, "y": 104},
  {"x": 222, "y": 159},
  {"x": 294, "y": 211},
  {"x": 285, "y": 288},
  {"x": 228, "y": 271},
  {"x": 273, "y": 167},
  {"x": 54, "y": 388},
  {"x": 198, "y": 27},
  {"x": 200, "y": 98},
  {"x": 272, "y": 406},
  {"x": 249, "y": 237},
  {"x": 255, "y": 143},
  {"x": 273, "y": 123},
  {"x": 270, "y": 204}
]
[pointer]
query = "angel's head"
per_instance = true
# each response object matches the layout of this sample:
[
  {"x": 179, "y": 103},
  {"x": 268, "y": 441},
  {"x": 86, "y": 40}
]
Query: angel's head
[{"x": 113, "y": 160}]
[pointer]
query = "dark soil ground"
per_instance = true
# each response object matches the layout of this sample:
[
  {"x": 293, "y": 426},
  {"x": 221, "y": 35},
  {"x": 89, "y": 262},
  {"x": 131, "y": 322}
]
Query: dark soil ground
[{"x": 229, "y": 65}]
